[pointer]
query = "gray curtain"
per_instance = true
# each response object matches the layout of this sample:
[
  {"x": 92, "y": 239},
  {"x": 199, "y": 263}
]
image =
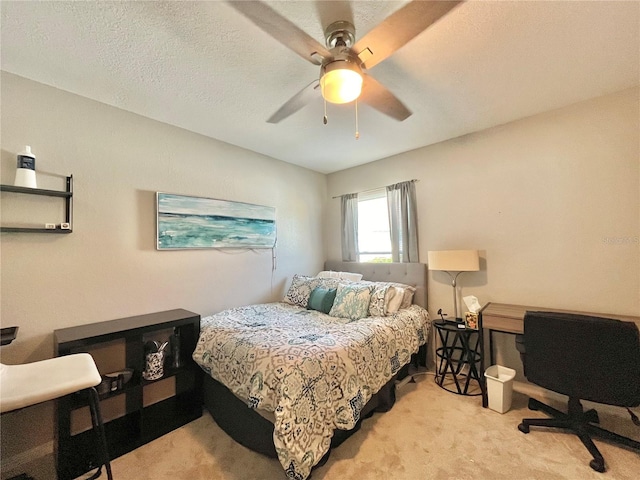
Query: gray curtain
[
  {"x": 349, "y": 227},
  {"x": 403, "y": 221}
]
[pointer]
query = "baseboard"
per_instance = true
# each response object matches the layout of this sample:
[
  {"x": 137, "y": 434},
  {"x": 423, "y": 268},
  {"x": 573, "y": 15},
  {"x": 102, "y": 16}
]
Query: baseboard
[
  {"x": 532, "y": 390},
  {"x": 401, "y": 383},
  {"x": 560, "y": 401},
  {"x": 22, "y": 459}
]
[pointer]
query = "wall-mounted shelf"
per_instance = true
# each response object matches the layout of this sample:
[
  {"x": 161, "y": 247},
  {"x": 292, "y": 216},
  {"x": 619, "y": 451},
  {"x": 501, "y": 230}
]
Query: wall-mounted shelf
[{"x": 66, "y": 194}]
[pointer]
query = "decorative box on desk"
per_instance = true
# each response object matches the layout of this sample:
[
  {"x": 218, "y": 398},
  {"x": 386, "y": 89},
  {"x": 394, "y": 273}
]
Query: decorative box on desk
[{"x": 141, "y": 410}]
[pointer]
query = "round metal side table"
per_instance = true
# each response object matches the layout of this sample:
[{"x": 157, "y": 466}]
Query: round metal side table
[{"x": 457, "y": 359}]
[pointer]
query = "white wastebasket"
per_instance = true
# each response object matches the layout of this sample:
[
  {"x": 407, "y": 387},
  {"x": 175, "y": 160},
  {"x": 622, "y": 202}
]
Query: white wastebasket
[{"x": 499, "y": 387}]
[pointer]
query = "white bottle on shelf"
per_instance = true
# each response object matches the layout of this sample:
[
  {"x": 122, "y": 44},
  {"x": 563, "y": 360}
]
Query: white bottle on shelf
[{"x": 26, "y": 172}]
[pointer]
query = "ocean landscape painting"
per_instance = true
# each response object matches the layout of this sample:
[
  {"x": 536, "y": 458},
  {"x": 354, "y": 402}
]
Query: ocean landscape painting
[{"x": 197, "y": 222}]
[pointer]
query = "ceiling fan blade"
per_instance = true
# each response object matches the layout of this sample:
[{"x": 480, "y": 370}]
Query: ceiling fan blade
[
  {"x": 379, "y": 97},
  {"x": 295, "y": 103},
  {"x": 282, "y": 30},
  {"x": 399, "y": 28}
]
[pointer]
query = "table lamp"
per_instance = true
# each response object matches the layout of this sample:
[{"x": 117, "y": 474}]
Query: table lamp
[{"x": 454, "y": 262}]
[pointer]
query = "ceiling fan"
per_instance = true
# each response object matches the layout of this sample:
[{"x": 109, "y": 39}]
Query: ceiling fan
[{"x": 344, "y": 61}]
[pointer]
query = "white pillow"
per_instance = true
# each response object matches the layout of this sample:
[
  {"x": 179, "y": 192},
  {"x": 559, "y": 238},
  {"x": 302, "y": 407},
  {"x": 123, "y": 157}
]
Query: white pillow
[
  {"x": 407, "y": 298},
  {"x": 352, "y": 277},
  {"x": 405, "y": 292},
  {"x": 395, "y": 300}
]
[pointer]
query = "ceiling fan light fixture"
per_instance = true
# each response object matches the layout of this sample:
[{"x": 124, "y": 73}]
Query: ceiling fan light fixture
[{"x": 341, "y": 81}]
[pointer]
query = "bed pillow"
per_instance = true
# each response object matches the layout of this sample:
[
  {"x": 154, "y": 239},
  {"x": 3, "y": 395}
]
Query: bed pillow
[
  {"x": 302, "y": 286},
  {"x": 395, "y": 301},
  {"x": 352, "y": 301},
  {"x": 401, "y": 298},
  {"x": 380, "y": 299},
  {"x": 321, "y": 299},
  {"x": 397, "y": 297},
  {"x": 352, "y": 277},
  {"x": 407, "y": 298}
]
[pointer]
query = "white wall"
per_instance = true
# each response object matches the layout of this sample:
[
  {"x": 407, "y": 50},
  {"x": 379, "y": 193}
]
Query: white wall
[
  {"x": 108, "y": 267},
  {"x": 552, "y": 201}
]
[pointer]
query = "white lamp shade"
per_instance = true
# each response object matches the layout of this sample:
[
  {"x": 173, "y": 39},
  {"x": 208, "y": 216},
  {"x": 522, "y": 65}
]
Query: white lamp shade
[{"x": 454, "y": 260}]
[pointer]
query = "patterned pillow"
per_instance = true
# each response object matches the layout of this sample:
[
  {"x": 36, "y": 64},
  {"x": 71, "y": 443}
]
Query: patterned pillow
[
  {"x": 406, "y": 291},
  {"x": 407, "y": 300},
  {"x": 380, "y": 298},
  {"x": 352, "y": 301},
  {"x": 302, "y": 286}
]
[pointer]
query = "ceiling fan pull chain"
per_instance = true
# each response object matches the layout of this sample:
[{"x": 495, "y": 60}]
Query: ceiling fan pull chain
[
  {"x": 357, "y": 132},
  {"x": 324, "y": 119}
]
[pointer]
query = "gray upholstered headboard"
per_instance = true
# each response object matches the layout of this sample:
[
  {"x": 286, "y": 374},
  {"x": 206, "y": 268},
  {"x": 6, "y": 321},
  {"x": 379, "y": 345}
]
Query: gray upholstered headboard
[{"x": 414, "y": 274}]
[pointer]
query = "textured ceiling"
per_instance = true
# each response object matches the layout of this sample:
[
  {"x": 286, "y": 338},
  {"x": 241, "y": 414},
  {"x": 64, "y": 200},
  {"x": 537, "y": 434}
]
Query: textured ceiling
[{"x": 204, "y": 67}]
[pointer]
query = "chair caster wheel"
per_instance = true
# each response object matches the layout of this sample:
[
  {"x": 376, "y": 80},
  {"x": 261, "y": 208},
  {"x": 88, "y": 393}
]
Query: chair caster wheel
[
  {"x": 597, "y": 465},
  {"x": 523, "y": 428},
  {"x": 533, "y": 405}
]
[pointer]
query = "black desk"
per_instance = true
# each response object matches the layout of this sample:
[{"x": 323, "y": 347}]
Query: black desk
[{"x": 457, "y": 359}]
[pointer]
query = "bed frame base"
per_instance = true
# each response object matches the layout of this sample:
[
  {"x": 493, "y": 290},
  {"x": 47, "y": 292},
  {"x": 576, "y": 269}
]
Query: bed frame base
[{"x": 253, "y": 431}]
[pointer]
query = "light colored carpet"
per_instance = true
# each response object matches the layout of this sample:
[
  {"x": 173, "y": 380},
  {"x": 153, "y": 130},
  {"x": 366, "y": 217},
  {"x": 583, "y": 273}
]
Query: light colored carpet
[{"x": 429, "y": 434}]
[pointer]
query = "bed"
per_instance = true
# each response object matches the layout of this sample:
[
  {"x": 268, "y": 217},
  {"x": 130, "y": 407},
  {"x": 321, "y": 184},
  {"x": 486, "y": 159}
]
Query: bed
[{"x": 292, "y": 380}]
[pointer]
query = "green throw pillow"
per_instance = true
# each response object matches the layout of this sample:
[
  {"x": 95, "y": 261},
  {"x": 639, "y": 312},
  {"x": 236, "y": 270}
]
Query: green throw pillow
[{"x": 321, "y": 299}]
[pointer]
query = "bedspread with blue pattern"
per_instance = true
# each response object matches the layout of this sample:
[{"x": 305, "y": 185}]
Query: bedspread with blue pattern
[{"x": 313, "y": 371}]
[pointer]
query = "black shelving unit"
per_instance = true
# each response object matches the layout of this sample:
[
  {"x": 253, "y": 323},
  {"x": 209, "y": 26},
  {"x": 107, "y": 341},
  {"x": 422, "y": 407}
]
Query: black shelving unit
[
  {"x": 138, "y": 424},
  {"x": 67, "y": 195}
]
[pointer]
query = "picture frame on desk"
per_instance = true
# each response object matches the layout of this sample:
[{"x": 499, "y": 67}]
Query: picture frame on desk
[{"x": 471, "y": 320}]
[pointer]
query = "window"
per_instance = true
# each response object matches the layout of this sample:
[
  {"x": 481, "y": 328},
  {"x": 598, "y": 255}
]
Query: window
[
  {"x": 380, "y": 225},
  {"x": 374, "y": 238}
]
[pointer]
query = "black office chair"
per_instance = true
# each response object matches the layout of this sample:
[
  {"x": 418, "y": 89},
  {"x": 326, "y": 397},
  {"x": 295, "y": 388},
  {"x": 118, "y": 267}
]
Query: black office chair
[{"x": 586, "y": 358}]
